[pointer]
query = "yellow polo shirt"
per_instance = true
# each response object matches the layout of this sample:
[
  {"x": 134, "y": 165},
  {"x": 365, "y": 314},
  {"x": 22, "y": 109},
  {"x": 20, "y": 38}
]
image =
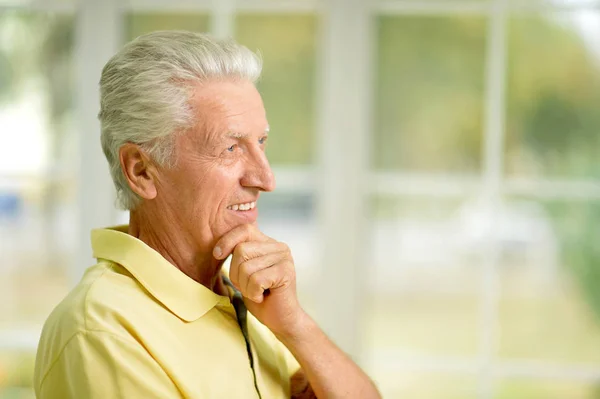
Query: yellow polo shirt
[{"x": 137, "y": 327}]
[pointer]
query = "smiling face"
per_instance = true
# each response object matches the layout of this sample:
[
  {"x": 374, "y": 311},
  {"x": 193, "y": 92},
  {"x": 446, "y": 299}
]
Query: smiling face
[{"x": 221, "y": 166}]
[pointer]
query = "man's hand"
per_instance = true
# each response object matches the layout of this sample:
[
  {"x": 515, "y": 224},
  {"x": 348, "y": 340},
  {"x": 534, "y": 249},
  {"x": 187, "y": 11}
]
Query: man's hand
[{"x": 262, "y": 269}]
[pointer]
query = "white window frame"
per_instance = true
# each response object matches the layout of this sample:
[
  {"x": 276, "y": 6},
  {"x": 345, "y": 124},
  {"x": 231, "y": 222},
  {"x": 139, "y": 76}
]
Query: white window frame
[{"x": 342, "y": 185}]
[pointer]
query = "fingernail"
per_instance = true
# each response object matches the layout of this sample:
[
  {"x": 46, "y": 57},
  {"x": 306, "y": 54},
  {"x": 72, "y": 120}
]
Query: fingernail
[{"x": 217, "y": 252}]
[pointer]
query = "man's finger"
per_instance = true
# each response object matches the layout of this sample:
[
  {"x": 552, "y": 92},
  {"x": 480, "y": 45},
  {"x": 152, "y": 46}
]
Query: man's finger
[
  {"x": 253, "y": 249},
  {"x": 245, "y": 232},
  {"x": 241, "y": 270},
  {"x": 271, "y": 278}
]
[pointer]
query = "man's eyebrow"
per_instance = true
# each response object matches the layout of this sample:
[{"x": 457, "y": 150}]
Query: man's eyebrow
[
  {"x": 237, "y": 135},
  {"x": 242, "y": 136}
]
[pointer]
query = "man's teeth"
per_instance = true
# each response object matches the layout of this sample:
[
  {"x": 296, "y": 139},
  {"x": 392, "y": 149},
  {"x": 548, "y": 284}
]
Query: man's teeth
[{"x": 242, "y": 207}]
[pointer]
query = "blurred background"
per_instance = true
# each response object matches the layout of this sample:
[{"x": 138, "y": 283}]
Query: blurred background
[{"x": 438, "y": 167}]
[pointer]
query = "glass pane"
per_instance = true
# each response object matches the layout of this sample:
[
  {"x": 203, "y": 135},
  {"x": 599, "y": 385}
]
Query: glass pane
[
  {"x": 547, "y": 390},
  {"x": 550, "y": 271},
  {"x": 429, "y": 93},
  {"x": 553, "y": 125},
  {"x": 423, "y": 292},
  {"x": 16, "y": 372},
  {"x": 137, "y": 24},
  {"x": 287, "y": 44},
  {"x": 290, "y": 218},
  {"x": 424, "y": 385}
]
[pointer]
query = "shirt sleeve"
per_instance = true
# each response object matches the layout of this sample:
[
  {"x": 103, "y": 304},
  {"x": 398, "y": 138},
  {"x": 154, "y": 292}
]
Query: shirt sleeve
[{"x": 102, "y": 365}]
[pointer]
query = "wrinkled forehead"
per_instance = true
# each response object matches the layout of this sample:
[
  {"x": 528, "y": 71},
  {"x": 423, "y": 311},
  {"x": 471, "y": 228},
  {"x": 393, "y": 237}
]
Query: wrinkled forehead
[{"x": 227, "y": 108}]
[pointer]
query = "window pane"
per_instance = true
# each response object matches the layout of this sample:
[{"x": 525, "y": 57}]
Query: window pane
[
  {"x": 37, "y": 180},
  {"x": 547, "y": 390},
  {"x": 429, "y": 93},
  {"x": 137, "y": 24},
  {"x": 287, "y": 44},
  {"x": 553, "y": 125},
  {"x": 424, "y": 288},
  {"x": 425, "y": 385},
  {"x": 550, "y": 308}
]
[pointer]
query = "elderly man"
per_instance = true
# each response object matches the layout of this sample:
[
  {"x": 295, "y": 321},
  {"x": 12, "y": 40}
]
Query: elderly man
[{"x": 184, "y": 132}]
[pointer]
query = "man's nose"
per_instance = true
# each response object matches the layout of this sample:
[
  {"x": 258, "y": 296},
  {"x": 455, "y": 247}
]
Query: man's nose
[{"x": 259, "y": 173}]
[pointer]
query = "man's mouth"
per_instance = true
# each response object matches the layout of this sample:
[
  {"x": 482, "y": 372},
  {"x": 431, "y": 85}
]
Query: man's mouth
[{"x": 242, "y": 207}]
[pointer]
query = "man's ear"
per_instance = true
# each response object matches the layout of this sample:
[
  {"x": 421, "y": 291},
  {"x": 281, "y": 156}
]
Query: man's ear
[{"x": 139, "y": 170}]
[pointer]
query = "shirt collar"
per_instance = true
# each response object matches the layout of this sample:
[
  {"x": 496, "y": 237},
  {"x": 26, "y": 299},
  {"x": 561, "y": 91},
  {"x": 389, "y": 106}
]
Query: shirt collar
[{"x": 184, "y": 297}]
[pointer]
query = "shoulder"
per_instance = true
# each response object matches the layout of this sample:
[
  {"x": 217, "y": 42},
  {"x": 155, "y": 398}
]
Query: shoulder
[
  {"x": 105, "y": 289},
  {"x": 95, "y": 304}
]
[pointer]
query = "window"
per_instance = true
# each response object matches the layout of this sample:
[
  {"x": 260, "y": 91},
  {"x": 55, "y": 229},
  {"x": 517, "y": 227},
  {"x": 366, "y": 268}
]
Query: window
[
  {"x": 482, "y": 186},
  {"x": 489, "y": 290}
]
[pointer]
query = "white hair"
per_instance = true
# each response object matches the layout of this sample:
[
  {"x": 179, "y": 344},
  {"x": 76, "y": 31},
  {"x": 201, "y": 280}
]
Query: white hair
[{"x": 145, "y": 90}]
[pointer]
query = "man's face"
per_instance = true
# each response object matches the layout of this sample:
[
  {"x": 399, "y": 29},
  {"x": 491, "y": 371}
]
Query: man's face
[{"x": 221, "y": 166}]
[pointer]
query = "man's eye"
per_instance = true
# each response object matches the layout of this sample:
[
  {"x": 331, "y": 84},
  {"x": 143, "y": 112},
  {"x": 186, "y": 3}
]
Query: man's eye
[
  {"x": 262, "y": 140},
  {"x": 232, "y": 148}
]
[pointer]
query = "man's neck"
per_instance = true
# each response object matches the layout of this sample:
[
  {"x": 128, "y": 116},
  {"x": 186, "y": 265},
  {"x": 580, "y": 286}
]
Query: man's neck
[{"x": 161, "y": 233}]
